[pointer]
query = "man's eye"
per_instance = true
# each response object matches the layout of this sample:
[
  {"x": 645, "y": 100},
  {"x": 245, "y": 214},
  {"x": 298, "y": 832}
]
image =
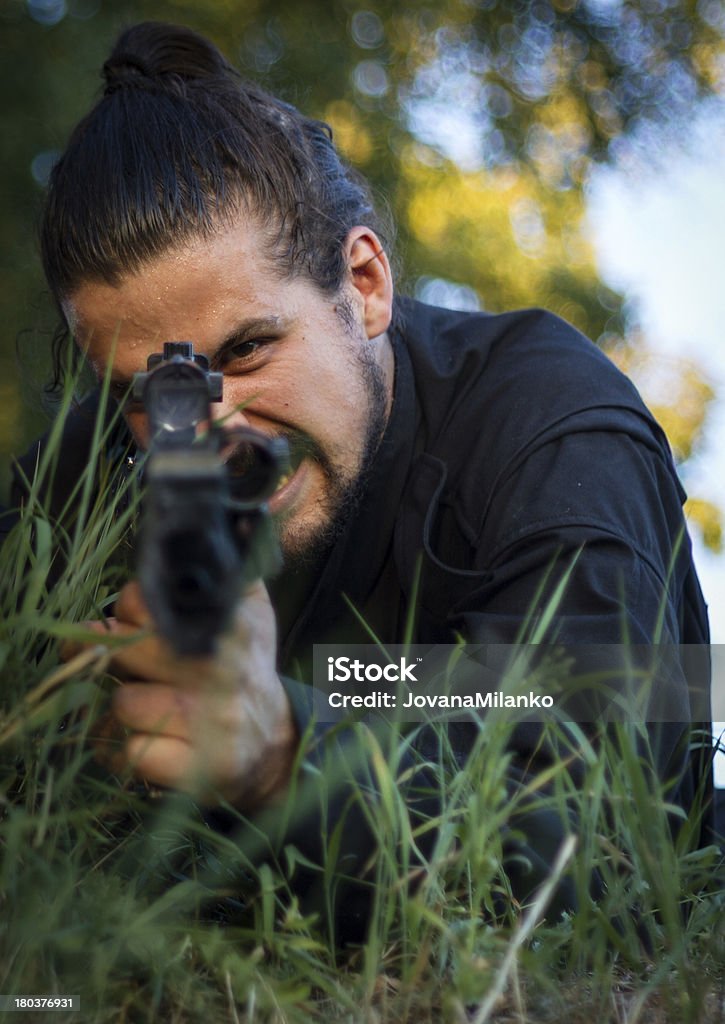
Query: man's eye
[{"x": 244, "y": 349}]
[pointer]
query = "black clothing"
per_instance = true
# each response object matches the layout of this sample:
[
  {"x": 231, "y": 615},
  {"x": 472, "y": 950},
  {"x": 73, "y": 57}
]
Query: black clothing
[
  {"x": 513, "y": 446},
  {"x": 513, "y": 440}
]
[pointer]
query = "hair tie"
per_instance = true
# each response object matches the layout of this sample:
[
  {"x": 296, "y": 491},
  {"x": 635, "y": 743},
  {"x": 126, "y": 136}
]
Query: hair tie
[{"x": 126, "y": 69}]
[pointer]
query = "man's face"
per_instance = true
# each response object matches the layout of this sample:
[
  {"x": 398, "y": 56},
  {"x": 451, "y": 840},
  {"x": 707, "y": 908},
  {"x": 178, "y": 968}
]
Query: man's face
[{"x": 316, "y": 370}]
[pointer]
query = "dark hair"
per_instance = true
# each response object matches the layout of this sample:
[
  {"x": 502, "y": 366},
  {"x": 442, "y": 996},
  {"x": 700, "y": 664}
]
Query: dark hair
[{"x": 178, "y": 144}]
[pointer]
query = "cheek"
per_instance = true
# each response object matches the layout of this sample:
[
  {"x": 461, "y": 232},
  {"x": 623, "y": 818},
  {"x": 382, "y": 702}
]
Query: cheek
[{"x": 137, "y": 423}]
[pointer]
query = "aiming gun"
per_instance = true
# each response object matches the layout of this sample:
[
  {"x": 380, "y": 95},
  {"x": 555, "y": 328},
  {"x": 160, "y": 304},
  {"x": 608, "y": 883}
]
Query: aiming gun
[{"x": 205, "y": 534}]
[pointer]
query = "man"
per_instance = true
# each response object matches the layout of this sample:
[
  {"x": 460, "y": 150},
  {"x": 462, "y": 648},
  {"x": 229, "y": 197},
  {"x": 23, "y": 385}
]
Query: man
[{"x": 447, "y": 470}]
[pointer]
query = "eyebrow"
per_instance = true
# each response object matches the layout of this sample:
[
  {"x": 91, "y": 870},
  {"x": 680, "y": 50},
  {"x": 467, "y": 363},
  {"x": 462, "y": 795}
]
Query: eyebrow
[{"x": 247, "y": 330}]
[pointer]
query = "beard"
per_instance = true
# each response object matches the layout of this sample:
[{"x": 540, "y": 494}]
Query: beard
[
  {"x": 343, "y": 494},
  {"x": 303, "y": 546}
]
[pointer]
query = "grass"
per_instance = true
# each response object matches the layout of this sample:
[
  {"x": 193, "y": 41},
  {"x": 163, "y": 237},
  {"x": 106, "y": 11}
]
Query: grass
[{"x": 127, "y": 898}]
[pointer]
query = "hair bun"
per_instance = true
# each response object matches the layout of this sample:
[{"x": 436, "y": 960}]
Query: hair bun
[
  {"x": 148, "y": 53},
  {"x": 123, "y": 69}
]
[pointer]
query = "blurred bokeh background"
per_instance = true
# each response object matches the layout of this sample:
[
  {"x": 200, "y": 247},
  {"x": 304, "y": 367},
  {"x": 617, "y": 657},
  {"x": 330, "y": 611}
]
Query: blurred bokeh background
[{"x": 568, "y": 154}]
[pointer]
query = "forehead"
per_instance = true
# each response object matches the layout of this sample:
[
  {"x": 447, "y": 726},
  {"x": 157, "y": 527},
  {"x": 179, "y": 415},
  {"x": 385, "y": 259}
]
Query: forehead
[{"x": 205, "y": 280}]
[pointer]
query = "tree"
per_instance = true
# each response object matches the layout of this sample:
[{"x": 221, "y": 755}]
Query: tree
[{"x": 478, "y": 122}]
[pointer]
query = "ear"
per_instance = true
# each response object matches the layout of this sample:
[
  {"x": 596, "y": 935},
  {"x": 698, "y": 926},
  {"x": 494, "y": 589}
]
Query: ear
[{"x": 369, "y": 273}]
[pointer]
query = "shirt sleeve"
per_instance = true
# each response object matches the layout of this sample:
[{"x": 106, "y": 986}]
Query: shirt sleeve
[
  {"x": 613, "y": 502},
  {"x": 603, "y": 509}
]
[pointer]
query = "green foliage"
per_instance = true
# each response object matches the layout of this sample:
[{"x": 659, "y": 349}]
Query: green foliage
[
  {"x": 124, "y": 896},
  {"x": 549, "y": 87}
]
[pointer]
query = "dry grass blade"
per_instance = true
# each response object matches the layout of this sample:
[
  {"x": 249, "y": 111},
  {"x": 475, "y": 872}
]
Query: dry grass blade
[
  {"x": 528, "y": 923},
  {"x": 96, "y": 657},
  {"x": 230, "y": 995}
]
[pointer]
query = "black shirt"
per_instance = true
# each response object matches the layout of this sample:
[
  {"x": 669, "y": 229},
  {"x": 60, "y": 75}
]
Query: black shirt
[{"x": 517, "y": 453}]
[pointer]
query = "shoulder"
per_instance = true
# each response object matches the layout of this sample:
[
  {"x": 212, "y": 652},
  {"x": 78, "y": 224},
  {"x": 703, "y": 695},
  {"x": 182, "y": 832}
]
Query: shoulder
[
  {"x": 533, "y": 427},
  {"x": 513, "y": 373},
  {"x": 538, "y": 448},
  {"x": 491, "y": 387}
]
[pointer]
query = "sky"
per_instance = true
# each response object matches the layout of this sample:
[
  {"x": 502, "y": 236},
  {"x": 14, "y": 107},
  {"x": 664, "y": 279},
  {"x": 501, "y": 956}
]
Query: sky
[
  {"x": 658, "y": 223},
  {"x": 659, "y": 232}
]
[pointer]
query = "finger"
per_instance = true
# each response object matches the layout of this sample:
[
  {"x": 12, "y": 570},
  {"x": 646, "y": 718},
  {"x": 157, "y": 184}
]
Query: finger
[
  {"x": 153, "y": 708},
  {"x": 149, "y": 658},
  {"x": 121, "y": 663},
  {"x": 143, "y": 656},
  {"x": 131, "y": 607},
  {"x": 70, "y": 648},
  {"x": 162, "y": 761},
  {"x": 158, "y": 760}
]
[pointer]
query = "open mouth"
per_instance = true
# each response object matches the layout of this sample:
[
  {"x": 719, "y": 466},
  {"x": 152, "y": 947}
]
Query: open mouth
[
  {"x": 261, "y": 467},
  {"x": 295, "y": 456},
  {"x": 290, "y": 487}
]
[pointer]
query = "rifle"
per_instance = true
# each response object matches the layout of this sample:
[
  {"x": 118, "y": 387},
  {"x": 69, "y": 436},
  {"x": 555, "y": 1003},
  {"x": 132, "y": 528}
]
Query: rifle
[{"x": 205, "y": 534}]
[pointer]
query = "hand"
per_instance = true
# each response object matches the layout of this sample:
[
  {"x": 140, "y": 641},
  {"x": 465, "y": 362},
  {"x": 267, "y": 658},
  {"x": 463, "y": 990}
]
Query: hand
[{"x": 214, "y": 727}]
